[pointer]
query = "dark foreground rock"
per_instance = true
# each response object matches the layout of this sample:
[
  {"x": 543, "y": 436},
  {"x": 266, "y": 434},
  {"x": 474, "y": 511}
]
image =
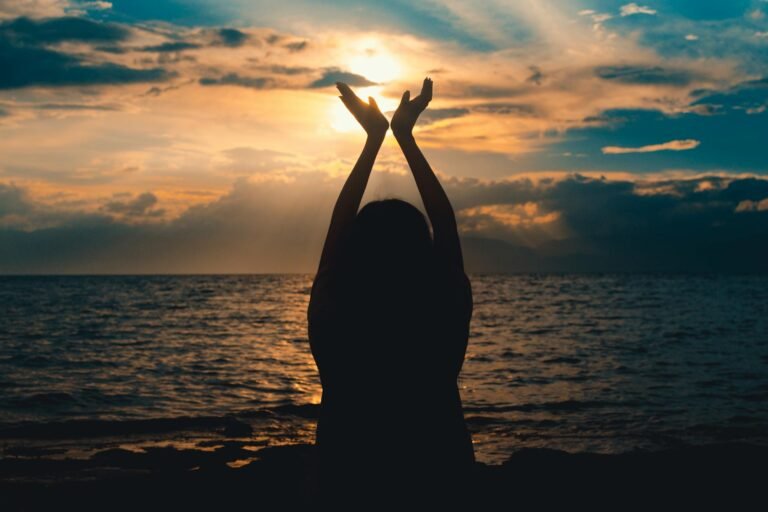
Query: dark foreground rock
[{"x": 727, "y": 476}]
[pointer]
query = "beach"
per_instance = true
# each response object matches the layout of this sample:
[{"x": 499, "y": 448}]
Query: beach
[
  {"x": 218, "y": 463},
  {"x": 234, "y": 473}
]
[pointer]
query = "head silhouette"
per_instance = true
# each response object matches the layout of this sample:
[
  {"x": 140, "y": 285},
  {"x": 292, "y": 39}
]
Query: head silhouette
[{"x": 388, "y": 238}]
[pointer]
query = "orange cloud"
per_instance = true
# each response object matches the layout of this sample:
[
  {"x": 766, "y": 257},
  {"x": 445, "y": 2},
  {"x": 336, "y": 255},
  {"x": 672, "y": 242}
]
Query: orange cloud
[{"x": 673, "y": 145}]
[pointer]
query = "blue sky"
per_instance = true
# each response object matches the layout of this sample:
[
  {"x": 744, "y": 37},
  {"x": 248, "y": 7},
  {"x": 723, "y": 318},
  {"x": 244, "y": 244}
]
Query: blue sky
[{"x": 148, "y": 119}]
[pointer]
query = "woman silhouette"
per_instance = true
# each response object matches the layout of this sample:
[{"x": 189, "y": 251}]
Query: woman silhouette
[{"x": 388, "y": 325}]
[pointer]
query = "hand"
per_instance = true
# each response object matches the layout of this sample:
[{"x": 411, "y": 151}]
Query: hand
[
  {"x": 367, "y": 114},
  {"x": 408, "y": 112}
]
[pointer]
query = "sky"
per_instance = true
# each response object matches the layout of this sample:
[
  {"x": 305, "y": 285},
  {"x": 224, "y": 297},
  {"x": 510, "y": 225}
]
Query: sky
[{"x": 170, "y": 136}]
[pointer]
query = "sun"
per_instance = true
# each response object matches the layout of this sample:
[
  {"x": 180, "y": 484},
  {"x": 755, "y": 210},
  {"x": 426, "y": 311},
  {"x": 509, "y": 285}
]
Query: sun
[{"x": 376, "y": 66}]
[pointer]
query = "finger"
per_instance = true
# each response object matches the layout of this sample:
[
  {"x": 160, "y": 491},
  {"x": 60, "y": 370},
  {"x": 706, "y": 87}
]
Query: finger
[
  {"x": 354, "y": 106},
  {"x": 372, "y": 102},
  {"x": 352, "y": 102},
  {"x": 406, "y": 98},
  {"x": 345, "y": 90},
  {"x": 348, "y": 103},
  {"x": 426, "y": 90}
]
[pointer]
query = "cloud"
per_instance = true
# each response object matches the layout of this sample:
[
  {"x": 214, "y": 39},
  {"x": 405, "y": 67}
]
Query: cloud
[
  {"x": 333, "y": 75},
  {"x": 42, "y": 67},
  {"x": 26, "y": 62},
  {"x": 35, "y": 8},
  {"x": 673, "y": 145},
  {"x": 252, "y": 82},
  {"x": 249, "y": 161},
  {"x": 97, "y": 5},
  {"x": 329, "y": 77},
  {"x": 231, "y": 37},
  {"x": 171, "y": 46},
  {"x": 75, "y": 106},
  {"x": 752, "y": 206},
  {"x": 633, "y": 8},
  {"x": 748, "y": 95},
  {"x": 517, "y": 109},
  {"x": 434, "y": 115},
  {"x": 57, "y": 30},
  {"x": 279, "y": 69},
  {"x": 536, "y": 77},
  {"x": 13, "y": 201},
  {"x": 141, "y": 206},
  {"x": 645, "y": 75},
  {"x": 297, "y": 46},
  {"x": 277, "y": 224}
]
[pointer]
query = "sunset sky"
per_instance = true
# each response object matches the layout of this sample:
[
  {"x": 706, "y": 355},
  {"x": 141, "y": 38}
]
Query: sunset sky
[{"x": 207, "y": 136}]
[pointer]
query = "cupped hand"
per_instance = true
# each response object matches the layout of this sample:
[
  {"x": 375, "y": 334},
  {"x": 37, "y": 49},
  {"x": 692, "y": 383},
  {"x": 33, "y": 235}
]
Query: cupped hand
[
  {"x": 408, "y": 111},
  {"x": 367, "y": 114}
]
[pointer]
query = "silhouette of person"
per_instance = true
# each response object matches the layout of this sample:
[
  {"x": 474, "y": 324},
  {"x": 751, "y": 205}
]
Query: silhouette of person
[{"x": 389, "y": 318}]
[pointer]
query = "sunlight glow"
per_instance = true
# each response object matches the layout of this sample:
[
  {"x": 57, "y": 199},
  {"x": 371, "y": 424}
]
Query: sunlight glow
[
  {"x": 343, "y": 121},
  {"x": 379, "y": 67},
  {"x": 376, "y": 65}
]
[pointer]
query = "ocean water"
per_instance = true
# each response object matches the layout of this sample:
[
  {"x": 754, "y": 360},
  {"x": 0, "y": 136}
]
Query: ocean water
[{"x": 601, "y": 363}]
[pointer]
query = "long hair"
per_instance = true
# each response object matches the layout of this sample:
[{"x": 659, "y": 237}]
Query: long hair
[{"x": 389, "y": 238}]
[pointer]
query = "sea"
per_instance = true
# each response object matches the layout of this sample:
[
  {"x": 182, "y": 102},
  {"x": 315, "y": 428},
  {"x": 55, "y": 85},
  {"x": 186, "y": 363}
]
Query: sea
[{"x": 574, "y": 362}]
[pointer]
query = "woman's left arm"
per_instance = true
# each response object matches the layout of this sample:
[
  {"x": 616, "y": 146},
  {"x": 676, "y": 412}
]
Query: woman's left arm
[{"x": 375, "y": 125}]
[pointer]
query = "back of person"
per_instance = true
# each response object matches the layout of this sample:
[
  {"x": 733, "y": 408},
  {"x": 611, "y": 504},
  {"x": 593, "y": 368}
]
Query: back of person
[
  {"x": 389, "y": 354},
  {"x": 389, "y": 321}
]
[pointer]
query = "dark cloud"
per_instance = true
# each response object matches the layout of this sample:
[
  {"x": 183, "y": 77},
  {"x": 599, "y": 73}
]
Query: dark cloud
[
  {"x": 74, "y": 106},
  {"x": 288, "y": 70},
  {"x": 25, "y": 62},
  {"x": 674, "y": 225},
  {"x": 114, "y": 49},
  {"x": 26, "y": 67},
  {"x": 537, "y": 77},
  {"x": 231, "y": 37},
  {"x": 171, "y": 46},
  {"x": 505, "y": 108},
  {"x": 157, "y": 91},
  {"x": 454, "y": 89},
  {"x": 333, "y": 75},
  {"x": 751, "y": 96},
  {"x": 297, "y": 46},
  {"x": 434, "y": 115},
  {"x": 253, "y": 82},
  {"x": 13, "y": 201},
  {"x": 329, "y": 77},
  {"x": 645, "y": 75},
  {"x": 141, "y": 205},
  {"x": 56, "y": 30},
  {"x": 571, "y": 224}
]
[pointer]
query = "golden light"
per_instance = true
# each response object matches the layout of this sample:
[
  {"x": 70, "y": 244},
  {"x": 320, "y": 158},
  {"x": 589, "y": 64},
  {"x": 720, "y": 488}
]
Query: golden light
[
  {"x": 377, "y": 66},
  {"x": 343, "y": 121}
]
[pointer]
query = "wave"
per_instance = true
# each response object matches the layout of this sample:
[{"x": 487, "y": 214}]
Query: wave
[
  {"x": 85, "y": 428},
  {"x": 564, "y": 405}
]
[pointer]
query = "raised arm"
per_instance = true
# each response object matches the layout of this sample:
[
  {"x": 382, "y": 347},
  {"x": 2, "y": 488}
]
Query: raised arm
[
  {"x": 435, "y": 200},
  {"x": 375, "y": 124}
]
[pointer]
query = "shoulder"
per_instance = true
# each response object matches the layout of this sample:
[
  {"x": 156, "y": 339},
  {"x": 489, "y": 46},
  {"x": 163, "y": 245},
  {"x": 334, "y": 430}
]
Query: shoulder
[
  {"x": 321, "y": 298},
  {"x": 457, "y": 288}
]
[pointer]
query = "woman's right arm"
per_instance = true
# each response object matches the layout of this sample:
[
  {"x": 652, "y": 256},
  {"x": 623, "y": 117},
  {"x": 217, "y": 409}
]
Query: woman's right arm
[{"x": 436, "y": 202}]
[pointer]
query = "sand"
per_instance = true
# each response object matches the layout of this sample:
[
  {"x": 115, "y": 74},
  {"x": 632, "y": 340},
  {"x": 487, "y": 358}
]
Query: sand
[{"x": 235, "y": 474}]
